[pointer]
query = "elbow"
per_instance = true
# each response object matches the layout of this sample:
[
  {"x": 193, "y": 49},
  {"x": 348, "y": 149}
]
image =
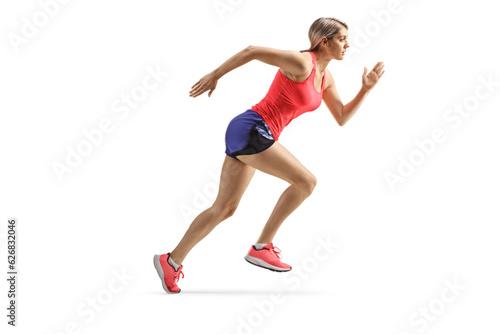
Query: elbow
[
  {"x": 341, "y": 120},
  {"x": 249, "y": 52}
]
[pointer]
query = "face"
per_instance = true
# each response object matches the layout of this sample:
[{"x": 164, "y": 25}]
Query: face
[{"x": 338, "y": 45}]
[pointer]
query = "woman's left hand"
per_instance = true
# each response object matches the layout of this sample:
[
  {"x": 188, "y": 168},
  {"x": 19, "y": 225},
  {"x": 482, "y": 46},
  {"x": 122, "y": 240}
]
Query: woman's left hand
[{"x": 371, "y": 79}]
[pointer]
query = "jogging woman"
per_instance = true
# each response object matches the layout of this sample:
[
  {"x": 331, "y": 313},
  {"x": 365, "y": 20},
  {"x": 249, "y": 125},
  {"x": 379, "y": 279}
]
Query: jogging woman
[{"x": 300, "y": 84}]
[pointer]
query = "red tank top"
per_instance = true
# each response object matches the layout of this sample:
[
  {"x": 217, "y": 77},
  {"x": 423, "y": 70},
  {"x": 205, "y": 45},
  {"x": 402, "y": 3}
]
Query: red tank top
[{"x": 288, "y": 99}]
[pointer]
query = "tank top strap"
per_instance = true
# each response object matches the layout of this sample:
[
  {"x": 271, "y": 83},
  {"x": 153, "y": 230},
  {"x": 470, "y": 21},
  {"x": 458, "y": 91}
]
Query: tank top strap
[{"x": 314, "y": 71}]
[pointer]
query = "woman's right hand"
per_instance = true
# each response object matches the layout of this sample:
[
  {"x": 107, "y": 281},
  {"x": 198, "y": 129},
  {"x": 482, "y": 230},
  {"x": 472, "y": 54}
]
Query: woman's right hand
[{"x": 208, "y": 82}]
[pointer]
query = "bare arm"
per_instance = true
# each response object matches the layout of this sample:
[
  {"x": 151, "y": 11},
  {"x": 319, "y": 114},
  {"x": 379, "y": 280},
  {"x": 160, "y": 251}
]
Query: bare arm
[
  {"x": 343, "y": 113},
  {"x": 288, "y": 60}
]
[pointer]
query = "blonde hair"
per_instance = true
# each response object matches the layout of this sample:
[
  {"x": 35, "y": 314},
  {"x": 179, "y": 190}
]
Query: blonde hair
[{"x": 324, "y": 26}]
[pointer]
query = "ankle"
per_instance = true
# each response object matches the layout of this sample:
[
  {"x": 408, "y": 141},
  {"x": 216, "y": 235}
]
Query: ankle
[
  {"x": 261, "y": 245},
  {"x": 176, "y": 259}
]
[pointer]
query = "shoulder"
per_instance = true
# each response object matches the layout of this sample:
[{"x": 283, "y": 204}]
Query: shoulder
[
  {"x": 303, "y": 71},
  {"x": 288, "y": 60},
  {"x": 307, "y": 59}
]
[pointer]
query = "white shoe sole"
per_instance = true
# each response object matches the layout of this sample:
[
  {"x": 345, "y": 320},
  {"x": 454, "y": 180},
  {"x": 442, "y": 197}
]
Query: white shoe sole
[
  {"x": 263, "y": 264},
  {"x": 159, "y": 270}
]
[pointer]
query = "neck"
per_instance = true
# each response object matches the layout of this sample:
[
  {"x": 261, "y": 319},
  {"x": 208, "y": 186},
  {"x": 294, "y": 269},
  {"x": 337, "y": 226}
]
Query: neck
[{"x": 322, "y": 60}]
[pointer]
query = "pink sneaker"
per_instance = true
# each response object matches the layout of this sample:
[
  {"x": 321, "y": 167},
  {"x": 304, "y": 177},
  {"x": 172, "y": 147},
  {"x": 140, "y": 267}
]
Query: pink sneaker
[
  {"x": 168, "y": 275},
  {"x": 267, "y": 257}
]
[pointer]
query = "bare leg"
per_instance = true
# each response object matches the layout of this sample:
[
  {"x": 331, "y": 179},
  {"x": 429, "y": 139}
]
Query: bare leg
[
  {"x": 235, "y": 177},
  {"x": 279, "y": 162}
]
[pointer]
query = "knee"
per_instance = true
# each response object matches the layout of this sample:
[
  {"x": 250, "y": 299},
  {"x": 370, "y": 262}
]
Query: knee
[
  {"x": 224, "y": 211},
  {"x": 308, "y": 183}
]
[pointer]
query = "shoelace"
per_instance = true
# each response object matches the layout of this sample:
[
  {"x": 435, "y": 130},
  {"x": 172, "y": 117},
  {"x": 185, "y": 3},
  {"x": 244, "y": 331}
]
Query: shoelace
[
  {"x": 277, "y": 252},
  {"x": 176, "y": 275}
]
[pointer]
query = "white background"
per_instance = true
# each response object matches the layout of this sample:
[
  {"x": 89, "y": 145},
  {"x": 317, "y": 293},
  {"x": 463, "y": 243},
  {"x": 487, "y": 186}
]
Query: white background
[{"x": 124, "y": 202}]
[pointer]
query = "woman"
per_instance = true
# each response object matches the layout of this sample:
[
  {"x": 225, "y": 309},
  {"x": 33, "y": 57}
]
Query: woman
[{"x": 300, "y": 84}]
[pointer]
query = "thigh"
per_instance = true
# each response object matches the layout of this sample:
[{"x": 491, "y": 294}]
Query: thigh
[
  {"x": 234, "y": 180},
  {"x": 279, "y": 162}
]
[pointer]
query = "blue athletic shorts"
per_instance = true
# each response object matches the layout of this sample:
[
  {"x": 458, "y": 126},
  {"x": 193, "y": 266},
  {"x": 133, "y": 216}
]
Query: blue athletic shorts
[{"x": 247, "y": 133}]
